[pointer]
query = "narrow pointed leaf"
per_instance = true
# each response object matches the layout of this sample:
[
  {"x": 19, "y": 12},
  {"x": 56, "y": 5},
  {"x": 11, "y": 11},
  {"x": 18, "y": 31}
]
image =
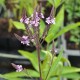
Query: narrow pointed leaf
[
  {"x": 31, "y": 57},
  {"x": 67, "y": 28},
  {"x": 54, "y": 65},
  {"x": 19, "y": 25}
]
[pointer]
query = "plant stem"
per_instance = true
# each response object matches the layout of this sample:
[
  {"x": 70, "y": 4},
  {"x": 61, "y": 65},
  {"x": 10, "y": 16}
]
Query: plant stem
[
  {"x": 53, "y": 54},
  {"x": 36, "y": 30},
  {"x": 38, "y": 51}
]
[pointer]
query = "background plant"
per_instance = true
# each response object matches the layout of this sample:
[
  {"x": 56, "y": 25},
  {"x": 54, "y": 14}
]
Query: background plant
[{"x": 72, "y": 8}]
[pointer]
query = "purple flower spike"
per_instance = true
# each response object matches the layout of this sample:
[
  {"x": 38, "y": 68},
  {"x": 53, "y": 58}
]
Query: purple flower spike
[
  {"x": 18, "y": 68},
  {"x": 25, "y": 40},
  {"x": 50, "y": 21}
]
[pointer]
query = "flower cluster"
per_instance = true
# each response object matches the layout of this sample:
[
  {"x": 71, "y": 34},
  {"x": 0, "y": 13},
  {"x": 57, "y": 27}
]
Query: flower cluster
[
  {"x": 25, "y": 40},
  {"x": 50, "y": 21},
  {"x": 34, "y": 20},
  {"x": 18, "y": 68},
  {"x": 31, "y": 21},
  {"x": 24, "y": 20}
]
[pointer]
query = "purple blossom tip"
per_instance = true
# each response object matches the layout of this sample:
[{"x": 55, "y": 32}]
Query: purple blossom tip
[
  {"x": 18, "y": 68},
  {"x": 24, "y": 20},
  {"x": 25, "y": 40},
  {"x": 50, "y": 21}
]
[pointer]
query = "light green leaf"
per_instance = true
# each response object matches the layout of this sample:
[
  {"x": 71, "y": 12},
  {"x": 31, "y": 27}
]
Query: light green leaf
[
  {"x": 32, "y": 73},
  {"x": 54, "y": 78},
  {"x": 24, "y": 73},
  {"x": 42, "y": 26},
  {"x": 1, "y": 1},
  {"x": 54, "y": 65},
  {"x": 63, "y": 59},
  {"x": 68, "y": 69},
  {"x": 72, "y": 76},
  {"x": 15, "y": 79},
  {"x": 19, "y": 25},
  {"x": 67, "y": 28},
  {"x": 46, "y": 64},
  {"x": 55, "y": 3},
  {"x": 13, "y": 75},
  {"x": 31, "y": 57}
]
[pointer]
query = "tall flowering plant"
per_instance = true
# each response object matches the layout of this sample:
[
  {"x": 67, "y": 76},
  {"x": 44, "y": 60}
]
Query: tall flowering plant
[
  {"x": 33, "y": 32},
  {"x": 50, "y": 67}
]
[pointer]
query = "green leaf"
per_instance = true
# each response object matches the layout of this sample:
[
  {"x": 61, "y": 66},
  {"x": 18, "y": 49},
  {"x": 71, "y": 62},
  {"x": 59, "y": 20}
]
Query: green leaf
[
  {"x": 15, "y": 79},
  {"x": 42, "y": 27},
  {"x": 46, "y": 64},
  {"x": 1, "y": 76},
  {"x": 24, "y": 73},
  {"x": 72, "y": 76},
  {"x": 63, "y": 59},
  {"x": 54, "y": 65},
  {"x": 55, "y": 27},
  {"x": 32, "y": 57},
  {"x": 55, "y": 3},
  {"x": 68, "y": 69},
  {"x": 1, "y": 1},
  {"x": 13, "y": 75},
  {"x": 54, "y": 78},
  {"x": 32, "y": 73},
  {"x": 19, "y": 25},
  {"x": 67, "y": 28}
]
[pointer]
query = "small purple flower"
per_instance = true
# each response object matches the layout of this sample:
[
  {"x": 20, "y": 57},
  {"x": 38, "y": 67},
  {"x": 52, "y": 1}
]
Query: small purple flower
[
  {"x": 50, "y": 21},
  {"x": 35, "y": 23},
  {"x": 25, "y": 40},
  {"x": 18, "y": 68},
  {"x": 36, "y": 20},
  {"x": 24, "y": 20}
]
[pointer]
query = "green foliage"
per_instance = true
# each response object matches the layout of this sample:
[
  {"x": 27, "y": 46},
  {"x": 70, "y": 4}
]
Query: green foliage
[
  {"x": 57, "y": 68},
  {"x": 67, "y": 28},
  {"x": 72, "y": 7},
  {"x": 31, "y": 57},
  {"x": 52, "y": 67},
  {"x": 75, "y": 36},
  {"x": 18, "y": 75},
  {"x": 19, "y": 25},
  {"x": 1, "y": 1},
  {"x": 29, "y": 5},
  {"x": 55, "y": 3}
]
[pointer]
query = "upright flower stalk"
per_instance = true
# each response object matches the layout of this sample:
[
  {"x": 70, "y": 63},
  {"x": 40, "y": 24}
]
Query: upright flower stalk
[
  {"x": 50, "y": 20},
  {"x": 33, "y": 31}
]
